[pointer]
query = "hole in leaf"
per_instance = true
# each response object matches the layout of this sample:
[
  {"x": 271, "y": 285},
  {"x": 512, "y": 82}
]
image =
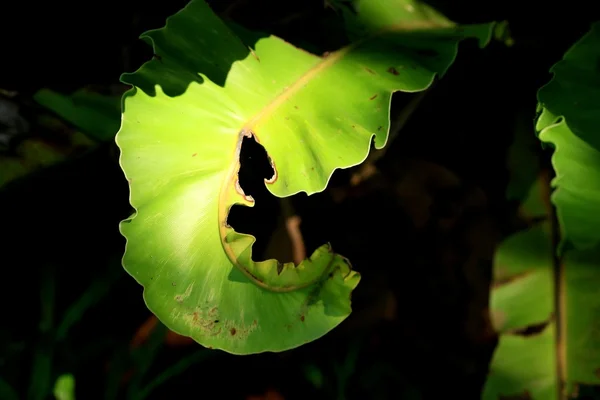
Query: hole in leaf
[
  {"x": 255, "y": 167},
  {"x": 261, "y": 220},
  {"x": 275, "y": 223}
]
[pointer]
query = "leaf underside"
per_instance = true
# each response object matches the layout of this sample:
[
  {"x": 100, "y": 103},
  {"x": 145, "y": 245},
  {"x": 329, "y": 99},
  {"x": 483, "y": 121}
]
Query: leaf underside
[{"x": 180, "y": 139}]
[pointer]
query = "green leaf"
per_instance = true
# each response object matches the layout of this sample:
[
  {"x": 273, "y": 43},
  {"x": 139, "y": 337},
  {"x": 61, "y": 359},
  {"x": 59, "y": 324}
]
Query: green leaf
[
  {"x": 180, "y": 139},
  {"x": 563, "y": 357},
  {"x": 366, "y": 17},
  {"x": 96, "y": 115},
  {"x": 523, "y": 274},
  {"x": 64, "y": 388},
  {"x": 523, "y": 368},
  {"x": 524, "y": 297},
  {"x": 570, "y": 123}
]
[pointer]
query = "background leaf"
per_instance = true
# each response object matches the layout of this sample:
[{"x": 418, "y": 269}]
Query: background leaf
[
  {"x": 547, "y": 309},
  {"x": 569, "y": 123},
  {"x": 524, "y": 362},
  {"x": 367, "y": 17},
  {"x": 96, "y": 115}
]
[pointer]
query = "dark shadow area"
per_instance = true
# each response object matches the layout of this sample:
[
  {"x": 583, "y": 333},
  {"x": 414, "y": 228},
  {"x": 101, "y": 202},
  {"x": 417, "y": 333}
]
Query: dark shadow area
[
  {"x": 174, "y": 67},
  {"x": 587, "y": 392},
  {"x": 259, "y": 221}
]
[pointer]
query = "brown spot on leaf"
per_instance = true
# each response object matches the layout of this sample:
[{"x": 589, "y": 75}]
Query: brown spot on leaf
[
  {"x": 302, "y": 318},
  {"x": 373, "y": 97},
  {"x": 194, "y": 155},
  {"x": 379, "y": 128},
  {"x": 296, "y": 107},
  {"x": 326, "y": 54},
  {"x": 232, "y": 331},
  {"x": 393, "y": 71},
  {"x": 369, "y": 70}
]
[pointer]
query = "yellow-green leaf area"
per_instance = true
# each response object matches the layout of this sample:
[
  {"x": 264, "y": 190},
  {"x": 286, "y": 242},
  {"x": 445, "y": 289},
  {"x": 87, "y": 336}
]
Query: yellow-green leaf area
[{"x": 180, "y": 138}]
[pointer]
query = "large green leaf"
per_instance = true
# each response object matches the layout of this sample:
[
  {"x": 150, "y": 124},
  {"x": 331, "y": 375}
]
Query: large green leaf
[
  {"x": 181, "y": 134},
  {"x": 562, "y": 359}
]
